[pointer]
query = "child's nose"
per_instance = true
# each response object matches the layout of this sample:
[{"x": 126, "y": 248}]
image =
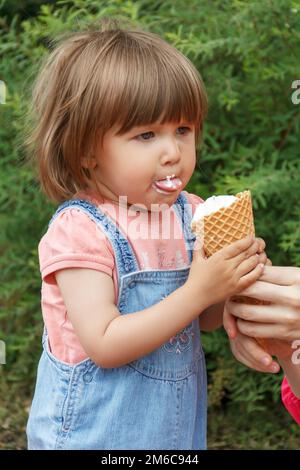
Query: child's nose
[{"x": 171, "y": 152}]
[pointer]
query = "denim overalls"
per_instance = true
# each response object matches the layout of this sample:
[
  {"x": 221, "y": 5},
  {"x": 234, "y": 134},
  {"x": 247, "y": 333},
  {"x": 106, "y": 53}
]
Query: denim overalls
[{"x": 155, "y": 402}]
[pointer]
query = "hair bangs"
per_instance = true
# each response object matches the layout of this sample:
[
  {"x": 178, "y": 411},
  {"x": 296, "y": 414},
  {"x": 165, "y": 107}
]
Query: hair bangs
[{"x": 151, "y": 85}]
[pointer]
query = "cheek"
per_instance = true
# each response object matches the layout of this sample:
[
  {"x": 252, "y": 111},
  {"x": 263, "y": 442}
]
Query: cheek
[
  {"x": 193, "y": 162},
  {"x": 138, "y": 171},
  {"x": 190, "y": 165},
  {"x": 191, "y": 156},
  {"x": 130, "y": 180}
]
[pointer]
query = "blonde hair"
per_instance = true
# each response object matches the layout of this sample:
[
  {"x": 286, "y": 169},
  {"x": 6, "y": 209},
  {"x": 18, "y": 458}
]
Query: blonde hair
[{"x": 95, "y": 80}]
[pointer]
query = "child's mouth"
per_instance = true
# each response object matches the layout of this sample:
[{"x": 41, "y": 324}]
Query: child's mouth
[{"x": 168, "y": 185}]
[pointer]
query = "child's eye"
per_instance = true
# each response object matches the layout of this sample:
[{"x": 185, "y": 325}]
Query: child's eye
[
  {"x": 184, "y": 130},
  {"x": 150, "y": 134},
  {"x": 145, "y": 135}
]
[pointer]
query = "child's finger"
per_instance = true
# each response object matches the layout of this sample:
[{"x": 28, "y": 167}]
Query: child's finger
[
  {"x": 262, "y": 258},
  {"x": 235, "y": 248},
  {"x": 261, "y": 245},
  {"x": 198, "y": 250},
  {"x": 251, "y": 277},
  {"x": 247, "y": 266},
  {"x": 251, "y": 251}
]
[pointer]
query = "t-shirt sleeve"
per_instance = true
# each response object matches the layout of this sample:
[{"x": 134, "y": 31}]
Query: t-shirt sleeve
[
  {"x": 73, "y": 240},
  {"x": 290, "y": 401}
]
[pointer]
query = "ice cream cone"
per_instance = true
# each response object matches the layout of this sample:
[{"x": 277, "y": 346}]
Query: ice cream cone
[{"x": 225, "y": 226}]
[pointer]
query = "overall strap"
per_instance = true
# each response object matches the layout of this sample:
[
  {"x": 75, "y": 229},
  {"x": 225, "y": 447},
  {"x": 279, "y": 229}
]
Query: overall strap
[
  {"x": 184, "y": 211},
  {"x": 125, "y": 257}
]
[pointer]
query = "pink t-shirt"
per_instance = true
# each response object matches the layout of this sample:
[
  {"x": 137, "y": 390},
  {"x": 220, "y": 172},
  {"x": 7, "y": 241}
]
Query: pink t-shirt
[
  {"x": 291, "y": 402},
  {"x": 73, "y": 240}
]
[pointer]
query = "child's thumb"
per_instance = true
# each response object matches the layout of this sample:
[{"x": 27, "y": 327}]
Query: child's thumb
[{"x": 198, "y": 251}]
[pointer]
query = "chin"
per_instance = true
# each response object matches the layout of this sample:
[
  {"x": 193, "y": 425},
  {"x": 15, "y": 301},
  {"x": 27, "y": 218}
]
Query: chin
[{"x": 164, "y": 204}]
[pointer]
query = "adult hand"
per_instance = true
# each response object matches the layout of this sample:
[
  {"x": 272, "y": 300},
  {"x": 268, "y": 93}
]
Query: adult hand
[
  {"x": 247, "y": 351},
  {"x": 279, "y": 320}
]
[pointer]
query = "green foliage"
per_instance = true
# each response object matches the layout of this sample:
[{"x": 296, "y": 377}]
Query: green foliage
[
  {"x": 247, "y": 53},
  {"x": 20, "y": 8}
]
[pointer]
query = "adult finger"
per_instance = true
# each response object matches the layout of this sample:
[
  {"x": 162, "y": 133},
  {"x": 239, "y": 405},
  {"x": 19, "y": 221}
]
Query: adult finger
[
  {"x": 256, "y": 359},
  {"x": 255, "y": 313},
  {"x": 262, "y": 330},
  {"x": 272, "y": 314},
  {"x": 258, "y": 356},
  {"x": 274, "y": 293},
  {"x": 229, "y": 323},
  {"x": 281, "y": 275}
]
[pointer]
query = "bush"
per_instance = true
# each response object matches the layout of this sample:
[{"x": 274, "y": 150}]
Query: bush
[{"x": 246, "y": 53}]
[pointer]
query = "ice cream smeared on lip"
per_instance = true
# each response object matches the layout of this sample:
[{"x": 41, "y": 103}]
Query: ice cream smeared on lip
[
  {"x": 167, "y": 185},
  {"x": 213, "y": 204}
]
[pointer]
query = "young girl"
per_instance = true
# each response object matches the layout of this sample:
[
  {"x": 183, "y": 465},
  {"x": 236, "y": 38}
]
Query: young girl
[
  {"x": 279, "y": 322},
  {"x": 118, "y": 115}
]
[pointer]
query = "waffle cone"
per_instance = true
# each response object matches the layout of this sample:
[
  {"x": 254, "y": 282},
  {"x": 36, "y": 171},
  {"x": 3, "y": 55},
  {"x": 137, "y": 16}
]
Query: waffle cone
[{"x": 225, "y": 226}]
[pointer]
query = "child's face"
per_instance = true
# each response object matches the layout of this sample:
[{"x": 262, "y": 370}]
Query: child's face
[{"x": 127, "y": 165}]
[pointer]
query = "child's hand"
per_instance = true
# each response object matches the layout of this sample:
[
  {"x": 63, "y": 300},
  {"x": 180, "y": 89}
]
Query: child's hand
[{"x": 228, "y": 271}]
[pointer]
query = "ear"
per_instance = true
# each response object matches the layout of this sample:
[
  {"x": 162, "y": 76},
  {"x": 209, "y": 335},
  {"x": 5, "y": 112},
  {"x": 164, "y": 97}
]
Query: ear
[{"x": 89, "y": 162}]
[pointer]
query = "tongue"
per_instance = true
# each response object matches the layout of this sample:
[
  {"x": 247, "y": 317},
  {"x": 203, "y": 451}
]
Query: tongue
[{"x": 169, "y": 185}]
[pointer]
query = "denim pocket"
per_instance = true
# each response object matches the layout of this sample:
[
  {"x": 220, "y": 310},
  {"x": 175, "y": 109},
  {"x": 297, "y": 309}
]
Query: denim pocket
[
  {"x": 154, "y": 366},
  {"x": 66, "y": 384}
]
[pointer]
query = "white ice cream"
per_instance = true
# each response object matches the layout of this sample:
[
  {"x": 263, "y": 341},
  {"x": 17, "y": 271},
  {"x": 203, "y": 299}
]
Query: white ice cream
[{"x": 213, "y": 204}]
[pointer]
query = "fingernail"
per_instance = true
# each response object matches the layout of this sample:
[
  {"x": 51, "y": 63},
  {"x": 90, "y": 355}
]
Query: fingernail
[
  {"x": 266, "y": 360},
  {"x": 275, "y": 368},
  {"x": 262, "y": 266},
  {"x": 229, "y": 332}
]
